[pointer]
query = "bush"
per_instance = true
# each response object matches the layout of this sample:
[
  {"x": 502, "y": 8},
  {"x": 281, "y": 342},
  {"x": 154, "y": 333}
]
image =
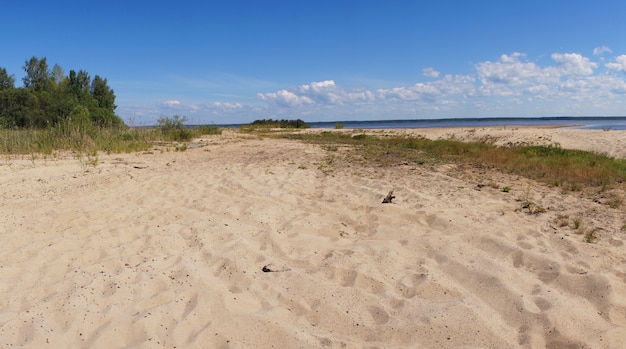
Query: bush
[
  {"x": 174, "y": 128},
  {"x": 208, "y": 130}
]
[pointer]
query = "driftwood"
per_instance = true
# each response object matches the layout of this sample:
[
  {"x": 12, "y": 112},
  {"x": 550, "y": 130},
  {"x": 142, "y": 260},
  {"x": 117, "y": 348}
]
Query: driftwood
[
  {"x": 388, "y": 198},
  {"x": 270, "y": 269}
]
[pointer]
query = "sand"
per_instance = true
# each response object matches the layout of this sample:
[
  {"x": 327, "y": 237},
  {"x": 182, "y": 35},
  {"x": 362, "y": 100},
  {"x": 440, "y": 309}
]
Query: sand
[{"x": 166, "y": 249}]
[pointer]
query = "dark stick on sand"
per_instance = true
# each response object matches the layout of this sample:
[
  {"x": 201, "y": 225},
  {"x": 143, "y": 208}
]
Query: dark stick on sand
[{"x": 388, "y": 198}]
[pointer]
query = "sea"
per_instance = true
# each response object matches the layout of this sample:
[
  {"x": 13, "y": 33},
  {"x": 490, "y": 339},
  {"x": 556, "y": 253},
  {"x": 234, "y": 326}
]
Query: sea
[{"x": 602, "y": 123}]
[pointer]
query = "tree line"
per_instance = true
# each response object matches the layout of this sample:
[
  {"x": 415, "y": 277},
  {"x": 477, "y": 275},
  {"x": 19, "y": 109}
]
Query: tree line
[
  {"x": 280, "y": 123},
  {"x": 49, "y": 97}
]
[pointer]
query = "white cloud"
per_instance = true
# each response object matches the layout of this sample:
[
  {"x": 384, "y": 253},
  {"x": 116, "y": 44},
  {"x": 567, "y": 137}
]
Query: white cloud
[
  {"x": 318, "y": 93},
  {"x": 509, "y": 70},
  {"x": 284, "y": 98},
  {"x": 601, "y": 50},
  {"x": 430, "y": 91},
  {"x": 619, "y": 64},
  {"x": 430, "y": 73},
  {"x": 226, "y": 106},
  {"x": 509, "y": 75},
  {"x": 573, "y": 64},
  {"x": 171, "y": 103}
]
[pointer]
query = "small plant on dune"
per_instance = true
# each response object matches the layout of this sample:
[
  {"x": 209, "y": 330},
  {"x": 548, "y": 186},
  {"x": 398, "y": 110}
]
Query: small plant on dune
[
  {"x": 326, "y": 165},
  {"x": 615, "y": 202},
  {"x": 562, "y": 220},
  {"x": 532, "y": 208},
  {"x": 339, "y": 126},
  {"x": 591, "y": 237},
  {"x": 529, "y": 206},
  {"x": 506, "y": 189},
  {"x": 578, "y": 223},
  {"x": 87, "y": 159}
]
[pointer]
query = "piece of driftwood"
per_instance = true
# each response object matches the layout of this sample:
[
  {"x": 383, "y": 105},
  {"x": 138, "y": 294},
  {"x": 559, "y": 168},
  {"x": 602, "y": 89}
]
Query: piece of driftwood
[
  {"x": 270, "y": 269},
  {"x": 388, "y": 198}
]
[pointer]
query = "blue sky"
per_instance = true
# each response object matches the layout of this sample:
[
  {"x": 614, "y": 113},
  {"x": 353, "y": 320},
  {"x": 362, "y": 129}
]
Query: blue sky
[{"x": 237, "y": 61}]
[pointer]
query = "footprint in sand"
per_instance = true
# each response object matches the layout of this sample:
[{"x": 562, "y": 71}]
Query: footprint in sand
[
  {"x": 419, "y": 285},
  {"x": 353, "y": 278},
  {"x": 379, "y": 315},
  {"x": 617, "y": 315}
]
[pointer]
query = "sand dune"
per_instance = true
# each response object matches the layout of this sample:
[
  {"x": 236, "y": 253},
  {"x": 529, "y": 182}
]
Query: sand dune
[{"x": 166, "y": 249}]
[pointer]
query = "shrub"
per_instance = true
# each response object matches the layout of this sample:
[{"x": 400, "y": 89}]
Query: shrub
[
  {"x": 174, "y": 128},
  {"x": 208, "y": 130}
]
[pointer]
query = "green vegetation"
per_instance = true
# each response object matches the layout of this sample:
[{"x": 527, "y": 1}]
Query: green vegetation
[
  {"x": 569, "y": 169},
  {"x": 174, "y": 128},
  {"x": 578, "y": 223},
  {"x": 269, "y": 123},
  {"x": 77, "y": 134},
  {"x": 591, "y": 237},
  {"x": 48, "y": 97}
]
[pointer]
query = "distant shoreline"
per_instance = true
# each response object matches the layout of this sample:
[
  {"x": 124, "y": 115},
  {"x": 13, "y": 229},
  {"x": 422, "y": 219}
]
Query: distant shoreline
[{"x": 591, "y": 122}]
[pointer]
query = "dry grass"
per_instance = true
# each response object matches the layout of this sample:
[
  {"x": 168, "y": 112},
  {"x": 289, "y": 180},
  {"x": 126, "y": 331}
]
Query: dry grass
[{"x": 569, "y": 169}]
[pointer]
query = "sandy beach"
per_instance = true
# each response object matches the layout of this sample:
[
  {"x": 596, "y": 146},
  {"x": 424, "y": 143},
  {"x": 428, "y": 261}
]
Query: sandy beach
[{"x": 248, "y": 242}]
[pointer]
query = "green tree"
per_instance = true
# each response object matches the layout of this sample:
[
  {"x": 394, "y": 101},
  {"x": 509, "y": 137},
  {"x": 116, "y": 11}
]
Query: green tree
[
  {"x": 37, "y": 75},
  {"x": 104, "y": 112},
  {"x": 79, "y": 83},
  {"x": 17, "y": 106},
  {"x": 103, "y": 94},
  {"x": 6, "y": 81},
  {"x": 58, "y": 75},
  {"x": 49, "y": 99}
]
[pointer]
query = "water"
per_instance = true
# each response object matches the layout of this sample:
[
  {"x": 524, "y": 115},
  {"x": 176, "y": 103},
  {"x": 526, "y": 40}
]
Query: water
[{"x": 613, "y": 123}]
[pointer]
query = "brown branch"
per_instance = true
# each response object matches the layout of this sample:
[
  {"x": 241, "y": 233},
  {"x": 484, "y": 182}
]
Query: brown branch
[{"x": 388, "y": 198}]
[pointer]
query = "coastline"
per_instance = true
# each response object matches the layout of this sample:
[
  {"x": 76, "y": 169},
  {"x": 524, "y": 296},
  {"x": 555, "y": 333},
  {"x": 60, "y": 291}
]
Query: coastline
[
  {"x": 612, "y": 122},
  {"x": 607, "y": 142},
  {"x": 168, "y": 249},
  {"x": 591, "y": 122}
]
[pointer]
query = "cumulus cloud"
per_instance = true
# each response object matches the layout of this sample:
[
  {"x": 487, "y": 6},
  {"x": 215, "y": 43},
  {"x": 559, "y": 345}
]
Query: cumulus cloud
[
  {"x": 226, "y": 106},
  {"x": 171, "y": 103},
  {"x": 430, "y": 91},
  {"x": 574, "y": 64},
  {"x": 508, "y": 75},
  {"x": 601, "y": 50},
  {"x": 510, "y": 70},
  {"x": 321, "y": 93},
  {"x": 430, "y": 73},
  {"x": 284, "y": 98},
  {"x": 619, "y": 64}
]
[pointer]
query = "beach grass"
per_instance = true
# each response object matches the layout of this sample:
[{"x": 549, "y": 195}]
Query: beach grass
[
  {"x": 96, "y": 139},
  {"x": 570, "y": 169}
]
